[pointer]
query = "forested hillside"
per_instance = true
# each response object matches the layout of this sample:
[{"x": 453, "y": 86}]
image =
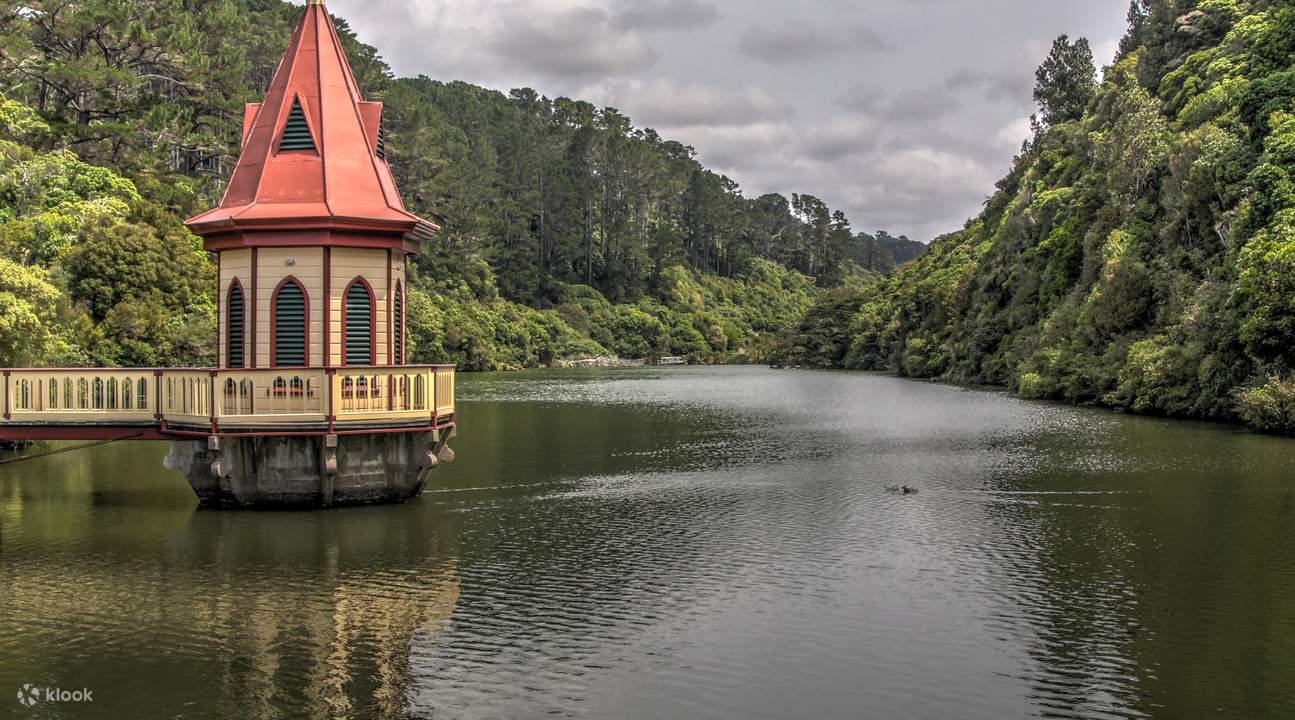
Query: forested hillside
[
  {"x": 568, "y": 231},
  {"x": 1140, "y": 253}
]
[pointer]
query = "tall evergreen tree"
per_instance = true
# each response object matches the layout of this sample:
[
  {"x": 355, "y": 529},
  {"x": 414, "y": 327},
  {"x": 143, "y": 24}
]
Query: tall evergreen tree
[{"x": 1066, "y": 81}]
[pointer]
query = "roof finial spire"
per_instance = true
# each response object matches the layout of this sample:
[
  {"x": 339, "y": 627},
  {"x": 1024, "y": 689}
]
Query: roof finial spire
[{"x": 314, "y": 2}]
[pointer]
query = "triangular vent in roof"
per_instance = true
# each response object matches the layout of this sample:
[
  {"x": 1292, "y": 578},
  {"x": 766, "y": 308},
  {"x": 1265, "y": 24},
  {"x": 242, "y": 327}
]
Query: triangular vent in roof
[{"x": 296, "y": 133}]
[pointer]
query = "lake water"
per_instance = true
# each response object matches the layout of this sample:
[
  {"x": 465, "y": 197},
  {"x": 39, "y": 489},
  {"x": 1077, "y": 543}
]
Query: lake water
[{"x": 683, "y": 543}]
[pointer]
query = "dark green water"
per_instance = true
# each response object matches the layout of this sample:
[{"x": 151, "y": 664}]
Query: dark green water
[{"x": 691, "y": 543}]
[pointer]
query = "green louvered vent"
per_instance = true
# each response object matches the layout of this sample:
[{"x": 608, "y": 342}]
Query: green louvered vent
[
  {"x": 296, "y": 134},
  {"x": 237, "y": 343},
  {"x": 382, "y": 142},
  {"x": 399, "y": 329},
  {"x": 290, "y": 327},
  {"x": 359, "y": 326}
]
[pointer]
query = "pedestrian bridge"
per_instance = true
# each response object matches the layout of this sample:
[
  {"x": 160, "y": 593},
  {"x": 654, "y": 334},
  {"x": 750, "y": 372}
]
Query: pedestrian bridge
[{"x": 170, "y": 403}]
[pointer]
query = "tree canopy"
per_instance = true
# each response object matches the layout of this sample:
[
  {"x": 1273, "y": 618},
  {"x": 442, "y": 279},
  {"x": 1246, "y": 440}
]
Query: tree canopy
[
  {"x": 1066, "y": 81},
  {"x": 1140, "y": 251},
  {"x": 565, "y": 224}
]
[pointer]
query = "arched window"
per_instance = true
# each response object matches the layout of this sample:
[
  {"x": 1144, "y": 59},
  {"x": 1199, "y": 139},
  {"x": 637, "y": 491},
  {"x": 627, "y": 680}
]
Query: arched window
[
  {"x": 399, "y": 329},
  {"x": 359, "y": 324},
  {"x": 235, "y": 337},
  {"x": 289, "y": 331}
]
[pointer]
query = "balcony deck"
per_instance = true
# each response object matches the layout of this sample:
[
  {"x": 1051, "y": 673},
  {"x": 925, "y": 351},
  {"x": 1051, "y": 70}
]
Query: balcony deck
[{"x": 175, "y": 403}]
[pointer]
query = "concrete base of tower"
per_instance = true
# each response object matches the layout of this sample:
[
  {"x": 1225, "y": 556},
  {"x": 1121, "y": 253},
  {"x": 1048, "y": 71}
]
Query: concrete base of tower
[{"x": 309, "y": 472}]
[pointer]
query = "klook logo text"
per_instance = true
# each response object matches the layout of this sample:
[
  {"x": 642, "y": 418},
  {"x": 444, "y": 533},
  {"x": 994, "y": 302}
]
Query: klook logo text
[{"x": 30, "y": 695}]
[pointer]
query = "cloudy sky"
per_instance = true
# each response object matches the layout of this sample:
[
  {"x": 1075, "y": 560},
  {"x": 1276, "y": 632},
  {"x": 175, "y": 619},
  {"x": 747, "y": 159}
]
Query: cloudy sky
[{"x": 901, "y": 112}]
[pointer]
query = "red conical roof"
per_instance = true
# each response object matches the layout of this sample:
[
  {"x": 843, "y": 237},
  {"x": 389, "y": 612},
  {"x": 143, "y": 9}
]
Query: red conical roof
[{"x": 340, "y": 185}]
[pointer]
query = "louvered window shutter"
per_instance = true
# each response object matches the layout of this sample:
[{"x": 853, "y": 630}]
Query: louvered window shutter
[
  {"x": 290, "y": 327},
  {"x": 296, "y": 133},
  {"x": 399, "y": 329},
  {"x": 235, "y": 341},
  {"x": 382, "y": 142},
  {"x": 359, "y": 326}
]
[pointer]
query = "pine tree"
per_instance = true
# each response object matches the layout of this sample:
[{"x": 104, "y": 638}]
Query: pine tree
[{"x": 1066, "y": 81}]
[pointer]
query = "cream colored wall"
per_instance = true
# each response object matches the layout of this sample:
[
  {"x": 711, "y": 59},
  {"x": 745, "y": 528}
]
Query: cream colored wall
[
  {"x": 347, "y": 264},
  {"x": 308, "y": 267},
  {"x": 233, "y": 264},
  {"x": 272, "y": 266}
]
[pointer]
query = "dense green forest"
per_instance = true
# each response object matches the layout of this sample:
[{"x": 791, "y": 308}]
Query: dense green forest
[
  {"x": 1141, "y": 251},
  {"x": 568, "y": 231}
]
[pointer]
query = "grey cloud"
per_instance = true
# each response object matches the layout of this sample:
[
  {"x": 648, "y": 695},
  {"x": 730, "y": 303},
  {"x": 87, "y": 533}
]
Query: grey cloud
[
  {"x": 908, "y": 106},
  {"x": 782, "y": 97},
  {"x": 648, "y": 15},
  {"x": 666, "y": 103},
  {"x": 919, "y": 105},
  {"x": 862, "y": 97},
  {"x": 572, "y": 44},
  {"x": 999, "y": 86},
  {"x": 799, "y": 41},
  {"x": 883, "y": 177},
  {"x": 841, "y": 139},
  {"x": 879, "y": 186}
]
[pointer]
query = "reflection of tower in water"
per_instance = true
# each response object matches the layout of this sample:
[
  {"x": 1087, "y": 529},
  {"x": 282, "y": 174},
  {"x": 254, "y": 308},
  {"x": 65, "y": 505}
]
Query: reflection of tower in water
[
  {"x": 328, "y": 629},
  {"x": 248, "y": 616},
  {"x": 337, "y": 654}
]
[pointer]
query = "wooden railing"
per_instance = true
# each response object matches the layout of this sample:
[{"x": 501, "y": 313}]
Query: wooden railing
[
  {"x": 271, "y": 397},
  {"x": 186, "y": 396},
  {"x": 118, "y": 395},
  {"x": 284, "y": 399}
]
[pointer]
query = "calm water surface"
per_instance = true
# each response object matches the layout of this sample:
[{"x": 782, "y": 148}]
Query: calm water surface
[{"x": 690, "y": 543}]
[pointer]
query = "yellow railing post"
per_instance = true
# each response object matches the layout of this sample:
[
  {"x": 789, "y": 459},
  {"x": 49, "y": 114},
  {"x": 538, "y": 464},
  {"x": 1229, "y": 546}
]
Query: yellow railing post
[
  {"x": 157, "y": 397},
  {"x": 334, "y": 398},
  {"x": 211, "y": 395}
]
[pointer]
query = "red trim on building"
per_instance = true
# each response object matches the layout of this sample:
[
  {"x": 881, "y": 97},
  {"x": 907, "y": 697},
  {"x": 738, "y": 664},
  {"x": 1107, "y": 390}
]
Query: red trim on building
[
  {"x": 328, "y": 307},
  {"x": 274, "y": 302},
  {"x": 220, "y": 279},
  {"x": 82, "y": 432},
  {"x": 256, "y": 345},
  {"x": 310, "y": 236},
  {"x": 163, "y": 432},
  {"x": 391, "y": 354},
  {"x": 136, "y": 370},
  {"x": 172, "y": 434}
]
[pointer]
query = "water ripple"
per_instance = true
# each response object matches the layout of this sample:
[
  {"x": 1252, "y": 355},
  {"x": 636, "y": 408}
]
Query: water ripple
[{"x": 700, "y": 543}]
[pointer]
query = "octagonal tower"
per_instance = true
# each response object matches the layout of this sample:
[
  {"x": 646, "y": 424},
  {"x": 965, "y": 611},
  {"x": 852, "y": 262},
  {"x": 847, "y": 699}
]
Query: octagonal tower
[
  {"x": 312, "y": 240},
  {"x": 311, "y": 235}
]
